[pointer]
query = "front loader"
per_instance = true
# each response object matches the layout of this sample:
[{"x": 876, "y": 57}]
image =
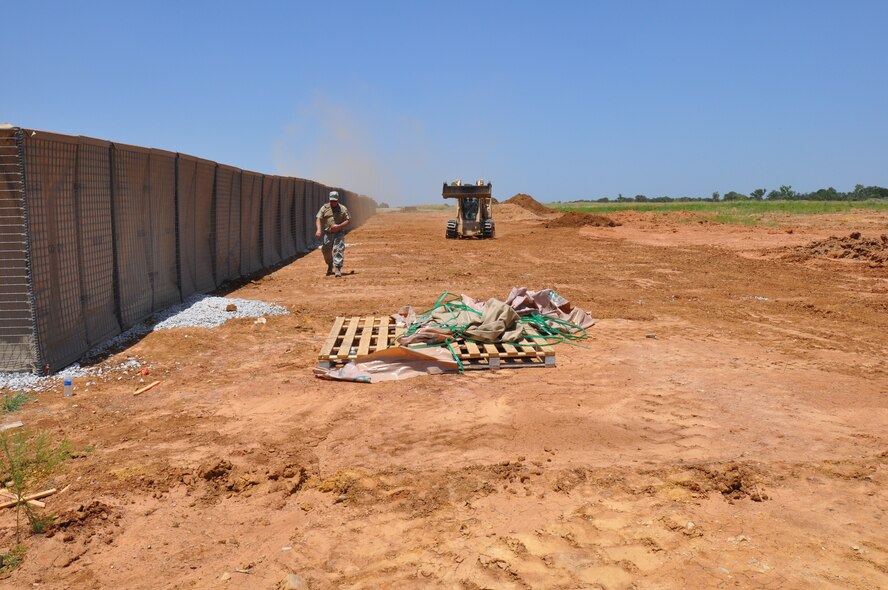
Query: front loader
[{"x": 474, "y": 210}]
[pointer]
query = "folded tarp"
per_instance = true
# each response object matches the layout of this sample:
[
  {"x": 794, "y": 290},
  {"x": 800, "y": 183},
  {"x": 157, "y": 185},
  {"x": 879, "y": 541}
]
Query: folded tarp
[{"x": 393, "y": 364}]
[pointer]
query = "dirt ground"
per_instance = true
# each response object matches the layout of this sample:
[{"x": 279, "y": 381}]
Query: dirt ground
[{"x": 724, "y": 426}]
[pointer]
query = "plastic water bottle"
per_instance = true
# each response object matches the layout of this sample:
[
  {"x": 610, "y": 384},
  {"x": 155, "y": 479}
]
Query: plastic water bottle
[{"x": 69, "y": 388}]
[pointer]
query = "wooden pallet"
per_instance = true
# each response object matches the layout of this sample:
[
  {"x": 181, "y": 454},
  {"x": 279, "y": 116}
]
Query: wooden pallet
[{"x": 358, "y": 336}]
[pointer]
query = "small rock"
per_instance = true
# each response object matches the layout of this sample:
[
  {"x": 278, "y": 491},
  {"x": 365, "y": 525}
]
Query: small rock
[
  {"x": 231, "y": 307},
  {"x": 295, "y": 582},
  {"x": 287, "y": 548},
  {"x": 723, "y": 570},
  {"x": 653, "y": 336},
  {"x": 855, "y": 235},
  {"x": 690, "y": 526},
  {"x": 856, "y": 549},
  {"x": 225, "y": 577}
]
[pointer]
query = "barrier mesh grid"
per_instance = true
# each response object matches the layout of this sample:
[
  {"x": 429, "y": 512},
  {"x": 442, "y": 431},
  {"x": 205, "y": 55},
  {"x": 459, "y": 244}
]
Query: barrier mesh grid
[
  {"x": 93, "y": 190},
  {"x": 18, "y": 340},
  {"x": 50, "y": 175}
]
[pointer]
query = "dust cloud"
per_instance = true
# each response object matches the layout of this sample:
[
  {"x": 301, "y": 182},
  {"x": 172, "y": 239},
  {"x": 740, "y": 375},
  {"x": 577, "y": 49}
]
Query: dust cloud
[{"x": 381, "y": 155}]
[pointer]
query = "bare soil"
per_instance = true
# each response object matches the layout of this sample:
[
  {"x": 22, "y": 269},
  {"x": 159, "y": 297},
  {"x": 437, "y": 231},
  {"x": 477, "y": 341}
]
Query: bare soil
[{"x": 725, "y": 425}]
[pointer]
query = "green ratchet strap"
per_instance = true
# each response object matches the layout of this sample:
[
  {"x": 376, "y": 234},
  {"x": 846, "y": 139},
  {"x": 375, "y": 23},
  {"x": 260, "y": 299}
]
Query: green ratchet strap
[{"x": 549, "y": 330}]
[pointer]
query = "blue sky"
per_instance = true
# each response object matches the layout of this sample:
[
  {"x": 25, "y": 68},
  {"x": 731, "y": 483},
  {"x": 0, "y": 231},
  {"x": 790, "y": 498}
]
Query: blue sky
[{"x": 562, "y": 100}]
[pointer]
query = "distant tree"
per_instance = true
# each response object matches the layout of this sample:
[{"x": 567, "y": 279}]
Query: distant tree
[
  {"x": 715, "y": 195},
  {"x": 876, "y": 192},
  {"x": 641, "y": 199},
  {"x": 603, "y": 200},
  {"x": 758, "y": 194},
  {"x": 383, "y": 205},
  {"x": 734, "y": 196},
  {"x": 786, "y": 191},
  {"x": 825, "y": 194}
]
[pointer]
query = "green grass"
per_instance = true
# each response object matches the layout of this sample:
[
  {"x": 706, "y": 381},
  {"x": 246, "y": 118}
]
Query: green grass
[
  {"x": 742, "y": 207},
  {"x": 14, "y": 401},
  {"x": 737, "y": 212},
  {"x": 12, "y": 559}
]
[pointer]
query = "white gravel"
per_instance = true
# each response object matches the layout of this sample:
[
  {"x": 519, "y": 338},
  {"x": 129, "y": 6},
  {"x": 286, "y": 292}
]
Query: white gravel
[
  {"x": 203, "y": 311},
  {"x": 29, "y": 382},
  {"x": 200, "y": 311}
]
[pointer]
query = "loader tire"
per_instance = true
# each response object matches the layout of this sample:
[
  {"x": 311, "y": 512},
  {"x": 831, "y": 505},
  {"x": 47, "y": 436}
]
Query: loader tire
[
  {"x": 450, "y": 234},
  {"x": 488, "y": 230}
]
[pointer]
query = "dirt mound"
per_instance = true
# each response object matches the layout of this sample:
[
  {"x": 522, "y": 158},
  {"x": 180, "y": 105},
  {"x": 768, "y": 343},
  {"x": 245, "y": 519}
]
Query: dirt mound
[
  {"x": 509, "y": 212},
  {"x": 853, "y": 246},
  {"x": 580, "y": 219},
  {"x": 529, "y": 203}
]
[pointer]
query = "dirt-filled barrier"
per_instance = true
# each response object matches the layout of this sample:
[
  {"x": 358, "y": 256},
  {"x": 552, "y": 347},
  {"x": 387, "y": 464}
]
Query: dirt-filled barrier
[{"x": 97, "y": 236}]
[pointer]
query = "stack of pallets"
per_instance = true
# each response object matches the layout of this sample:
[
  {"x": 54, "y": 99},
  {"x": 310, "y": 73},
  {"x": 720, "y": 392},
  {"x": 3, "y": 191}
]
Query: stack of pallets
[{"x": 354, "y": 337}]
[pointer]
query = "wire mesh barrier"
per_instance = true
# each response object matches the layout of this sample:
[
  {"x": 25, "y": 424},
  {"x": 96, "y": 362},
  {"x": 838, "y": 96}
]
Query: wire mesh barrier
[
  {"x": 18, "y": 342},
  {"x": 95, "y": 237}
]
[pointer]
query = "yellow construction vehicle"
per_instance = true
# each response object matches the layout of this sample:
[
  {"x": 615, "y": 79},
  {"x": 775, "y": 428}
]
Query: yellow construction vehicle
[{"x": 474, "y": 210}]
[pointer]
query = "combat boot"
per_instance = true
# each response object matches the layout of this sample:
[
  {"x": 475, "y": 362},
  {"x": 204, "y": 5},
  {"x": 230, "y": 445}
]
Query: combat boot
[
  {"x": 329, "y": 269},
  {"x": 338, "y": 272}
]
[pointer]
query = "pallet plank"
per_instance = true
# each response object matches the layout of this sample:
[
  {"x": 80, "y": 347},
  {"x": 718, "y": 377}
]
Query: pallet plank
[
  {"x": 472, "y": 349},
  {"x": 331, "y": 339},
  {"x": 347, "y": 341},
  {"x": 539, "y": 341},
  {"x": 509, "y": 349},
  {"x": 366, "y": 335},
  {"x": 399, "y": 331},
  {"x": 382, "y": 334}
]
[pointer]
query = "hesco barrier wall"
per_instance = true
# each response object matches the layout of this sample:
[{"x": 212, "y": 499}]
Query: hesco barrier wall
[{"x": 96, "y": 236}]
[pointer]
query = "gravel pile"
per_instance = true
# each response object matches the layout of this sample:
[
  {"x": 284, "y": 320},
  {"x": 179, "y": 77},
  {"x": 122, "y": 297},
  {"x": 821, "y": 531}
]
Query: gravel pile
[
  {"x": 200, "y": 311},
  {"x": 208, "y": 312},
  {"x": 31, "y": 383}
]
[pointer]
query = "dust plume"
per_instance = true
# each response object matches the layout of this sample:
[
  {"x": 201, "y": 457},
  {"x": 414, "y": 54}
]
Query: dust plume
[{"x": 378, "y": 155}]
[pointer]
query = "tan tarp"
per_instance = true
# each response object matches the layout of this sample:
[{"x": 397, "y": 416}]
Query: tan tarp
[{"x": 393, "y": 364}]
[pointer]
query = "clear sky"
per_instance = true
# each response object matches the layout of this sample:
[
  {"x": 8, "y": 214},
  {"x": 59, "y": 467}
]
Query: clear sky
[{"x": 562, "y": 100}]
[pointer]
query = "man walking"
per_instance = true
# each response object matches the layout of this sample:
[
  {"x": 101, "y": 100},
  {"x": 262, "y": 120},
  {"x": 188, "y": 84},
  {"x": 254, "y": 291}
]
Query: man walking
[{"x": 332, "y": 219}]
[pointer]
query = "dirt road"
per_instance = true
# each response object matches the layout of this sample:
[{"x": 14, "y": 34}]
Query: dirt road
[{"x": 726, "y": 425}]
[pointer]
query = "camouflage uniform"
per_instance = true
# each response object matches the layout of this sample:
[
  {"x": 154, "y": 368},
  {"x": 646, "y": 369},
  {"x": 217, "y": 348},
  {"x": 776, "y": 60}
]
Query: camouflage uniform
[{"x": 334, "y": 242}]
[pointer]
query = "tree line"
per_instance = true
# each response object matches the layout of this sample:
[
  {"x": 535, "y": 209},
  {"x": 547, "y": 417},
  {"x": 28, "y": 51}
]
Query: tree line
[{"x": 784, "y": 193}]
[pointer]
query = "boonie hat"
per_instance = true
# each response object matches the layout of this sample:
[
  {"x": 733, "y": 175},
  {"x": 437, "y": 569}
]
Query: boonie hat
[{"x": 334, "y": 196}]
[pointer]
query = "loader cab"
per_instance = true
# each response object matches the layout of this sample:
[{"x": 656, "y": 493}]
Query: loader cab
[{"x": 474, "y": 210}]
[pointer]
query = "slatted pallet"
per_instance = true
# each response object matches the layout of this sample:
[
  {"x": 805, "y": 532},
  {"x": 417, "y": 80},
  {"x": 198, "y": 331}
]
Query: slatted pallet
[{"x": 358, "y": 336}]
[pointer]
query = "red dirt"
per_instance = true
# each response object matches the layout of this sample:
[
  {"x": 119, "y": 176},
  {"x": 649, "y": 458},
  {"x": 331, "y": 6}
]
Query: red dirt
[
  {"x": 724, "y": 426},
  {"x": 530, "y": 204},
  {"x": 853, "y": 246},
  {"x": 581, "y": 219}
]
